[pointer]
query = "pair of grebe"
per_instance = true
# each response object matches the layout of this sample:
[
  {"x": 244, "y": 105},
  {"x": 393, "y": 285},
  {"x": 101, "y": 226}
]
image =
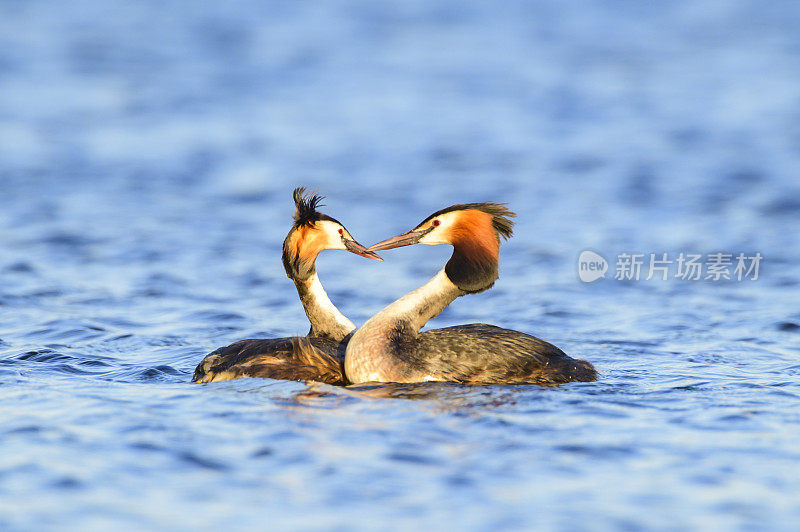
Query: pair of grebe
[{"x": 389, "y": 347}]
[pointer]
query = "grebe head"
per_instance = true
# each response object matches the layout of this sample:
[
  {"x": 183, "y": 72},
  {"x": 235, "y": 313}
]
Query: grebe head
[
  {"x": 474, "y": 231},
  {"x": 312, "y": 232}
]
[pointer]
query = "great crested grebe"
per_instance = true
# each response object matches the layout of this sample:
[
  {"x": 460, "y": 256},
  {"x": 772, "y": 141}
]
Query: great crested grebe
[
  {"x": 320, "y": 355},
  {"x": 390, "y": 348}
]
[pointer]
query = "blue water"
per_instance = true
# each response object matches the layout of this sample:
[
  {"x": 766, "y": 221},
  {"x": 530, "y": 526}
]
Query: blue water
[{"x": 147, "y": 157}]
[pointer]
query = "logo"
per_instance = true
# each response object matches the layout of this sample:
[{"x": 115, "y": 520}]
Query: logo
[{"x": 591, "y": 266}]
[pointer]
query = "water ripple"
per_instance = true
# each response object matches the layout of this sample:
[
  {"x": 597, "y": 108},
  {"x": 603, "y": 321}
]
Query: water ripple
[{"x": 147, "y": 156}]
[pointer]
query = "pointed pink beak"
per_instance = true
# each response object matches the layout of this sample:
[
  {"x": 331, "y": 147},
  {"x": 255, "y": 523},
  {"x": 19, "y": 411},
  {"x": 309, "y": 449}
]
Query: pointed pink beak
[
  {"x": 406, "y": 239},
  {"x": 354, "y": 247}
]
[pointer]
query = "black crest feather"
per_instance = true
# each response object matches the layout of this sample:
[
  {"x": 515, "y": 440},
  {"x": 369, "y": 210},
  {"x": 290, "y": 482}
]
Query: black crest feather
[
  {"x": 306, "y": 204},
  {"x": 501, "y": 215}
]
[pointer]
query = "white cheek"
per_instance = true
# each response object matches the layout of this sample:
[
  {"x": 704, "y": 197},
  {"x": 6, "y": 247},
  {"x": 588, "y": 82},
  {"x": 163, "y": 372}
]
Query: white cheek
[
  {"x": 434, "y": 238},
  {"x": 336, "y": 242},
  {"x": 333, "y": 238},
  {"x": 440, "y": 233}
]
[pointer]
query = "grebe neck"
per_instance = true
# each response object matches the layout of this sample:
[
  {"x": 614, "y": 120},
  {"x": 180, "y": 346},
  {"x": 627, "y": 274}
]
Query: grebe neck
[
  {"x": 418, "y": 307},
  {"x": 326, "y": 320}
]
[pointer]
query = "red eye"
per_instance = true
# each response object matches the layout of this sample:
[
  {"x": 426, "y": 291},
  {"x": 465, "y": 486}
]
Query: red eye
[
  {"x": 341, "y": 231},
  {"x": 436, "y": 223}
]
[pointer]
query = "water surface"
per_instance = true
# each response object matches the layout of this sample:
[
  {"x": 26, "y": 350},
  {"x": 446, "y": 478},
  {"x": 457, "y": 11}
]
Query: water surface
[{"x": 147, "y": 158}]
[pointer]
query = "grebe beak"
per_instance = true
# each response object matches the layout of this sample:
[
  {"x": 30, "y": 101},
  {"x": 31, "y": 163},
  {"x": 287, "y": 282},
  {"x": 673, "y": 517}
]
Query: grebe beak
[
  {"x": 354, "y": 247},
  {"x": 406, "y": 239}
]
